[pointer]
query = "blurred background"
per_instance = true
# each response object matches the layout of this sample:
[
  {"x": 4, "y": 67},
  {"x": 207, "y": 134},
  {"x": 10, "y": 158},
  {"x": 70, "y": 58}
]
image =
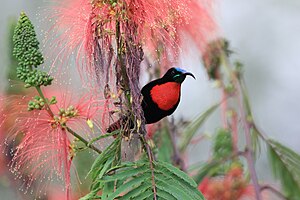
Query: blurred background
[{"x": 264, "y": 36}]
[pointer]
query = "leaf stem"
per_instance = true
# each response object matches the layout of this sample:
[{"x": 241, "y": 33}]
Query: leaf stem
[{"x": 151, "y": 159}]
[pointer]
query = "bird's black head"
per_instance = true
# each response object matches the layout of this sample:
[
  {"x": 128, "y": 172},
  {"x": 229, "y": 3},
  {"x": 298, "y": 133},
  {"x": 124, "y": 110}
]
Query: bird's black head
[{"x": 176, "y": 75}]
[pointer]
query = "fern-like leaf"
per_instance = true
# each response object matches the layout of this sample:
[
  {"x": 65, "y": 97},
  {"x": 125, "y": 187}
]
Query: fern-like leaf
[
  {"x": 136, "y": 178},
  {"x": 286, "y": 167}
]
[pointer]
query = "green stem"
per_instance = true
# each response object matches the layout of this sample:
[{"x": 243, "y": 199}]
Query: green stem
[
  {"x": 116, "y": 132},
  {"x": 48, "y": 109},
  {"x": 82, "y": 140}
]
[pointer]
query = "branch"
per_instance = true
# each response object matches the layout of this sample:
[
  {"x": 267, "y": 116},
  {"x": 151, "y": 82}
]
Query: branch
[{"x": 246, "y": 125}]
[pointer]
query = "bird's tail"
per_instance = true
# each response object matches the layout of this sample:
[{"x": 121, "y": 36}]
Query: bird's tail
[
  {"x": 115, "y": 126},
  {"x": 124, "y": 122}
]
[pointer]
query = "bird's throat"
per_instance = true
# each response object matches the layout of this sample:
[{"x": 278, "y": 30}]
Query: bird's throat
[{"x": 166, "y": 95}]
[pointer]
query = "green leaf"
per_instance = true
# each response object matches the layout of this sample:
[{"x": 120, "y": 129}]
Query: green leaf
[
  {"x": 124, "y": 174},
  {"x": 174, "y": 170},
  {"x": 137, "y": 191},
  {"x": 286, "y": 167},
  {"x": 108, "y": 188},
  {"x": 136, "y": 180},
  {"x": 105, "y": 167},
  {"x": 103, "y": 136},
  {"x": 145, "y": 195},
  {"x": 256, "y": 141},
  {"x": 100, "y": 161},
  {"x": 107, "y": 160},
  {"x": 193, "y": 127},
  {"x": 205, "y": 170},
  {"x": 164, "y": 194},
  {"x": 172, "y": 189}
]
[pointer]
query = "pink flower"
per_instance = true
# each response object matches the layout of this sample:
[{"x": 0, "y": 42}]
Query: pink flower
[
  {"x": 167, "y": 24},
  {"x": 233, "y": 185},
  {"x": 44, "y": 147},
  {"x": 2, "y": 137},
  {"x": 160, "y": 26},
  {"x": 72, "y": 33}
]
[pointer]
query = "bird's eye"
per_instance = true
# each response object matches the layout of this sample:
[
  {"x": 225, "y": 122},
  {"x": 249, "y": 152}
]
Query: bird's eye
[{"x": 173, "y": 73}]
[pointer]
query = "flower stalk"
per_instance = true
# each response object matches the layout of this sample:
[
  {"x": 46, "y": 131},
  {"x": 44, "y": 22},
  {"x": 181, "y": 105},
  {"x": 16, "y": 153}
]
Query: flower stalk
[{"x": 249, "y": 151}]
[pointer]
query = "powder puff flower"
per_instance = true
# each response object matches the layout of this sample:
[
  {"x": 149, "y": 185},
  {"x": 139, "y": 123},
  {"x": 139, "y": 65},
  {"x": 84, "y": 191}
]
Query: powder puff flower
[
  {"x": 88, "y": 29},
  {"x": 230, "y": 186},
  {"x": 45, "y": 148}
]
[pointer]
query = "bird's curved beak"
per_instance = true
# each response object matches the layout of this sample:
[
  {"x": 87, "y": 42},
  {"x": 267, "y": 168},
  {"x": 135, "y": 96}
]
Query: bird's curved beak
[{"x": 190, "y": 74}]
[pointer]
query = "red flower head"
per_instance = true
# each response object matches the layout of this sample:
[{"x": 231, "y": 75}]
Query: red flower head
[
  {"x": 166, "y": 24},
  {"x": 44, "y": 146},
  {"x": 160, "y": 27},
  {"x": 2, "y": 136},
  {"x": 231, "y": 186}
]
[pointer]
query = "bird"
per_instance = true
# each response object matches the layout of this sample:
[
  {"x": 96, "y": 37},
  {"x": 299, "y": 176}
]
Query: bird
[{"x": 161, "y": 97}]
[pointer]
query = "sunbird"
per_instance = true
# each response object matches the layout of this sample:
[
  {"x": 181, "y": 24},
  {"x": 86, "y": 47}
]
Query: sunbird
[{"x": 160, "y": 97}]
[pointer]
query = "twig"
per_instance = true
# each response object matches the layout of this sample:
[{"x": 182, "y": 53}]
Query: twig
[
  {"x": 274, "y": 190},
  {"x": 83, "y": 140},
  {"x": 246, "y": 125},
  {"x": 234, "y": 128},
  {"x": 249, "y": 155},
  {"x": 224, "y": 107},
  {"x": 198, "y": 138}
]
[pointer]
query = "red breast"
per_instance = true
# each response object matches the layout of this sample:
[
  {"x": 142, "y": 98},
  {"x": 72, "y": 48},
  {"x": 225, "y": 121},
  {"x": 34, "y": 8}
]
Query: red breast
[{"x": 166, "y": 95}]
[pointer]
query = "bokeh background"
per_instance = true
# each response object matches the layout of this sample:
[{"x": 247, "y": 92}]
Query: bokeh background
[{"x": 264, "y": 36}]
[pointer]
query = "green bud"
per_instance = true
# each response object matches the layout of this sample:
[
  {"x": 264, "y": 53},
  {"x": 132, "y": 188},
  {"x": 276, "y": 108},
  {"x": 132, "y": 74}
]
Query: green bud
[
  {"x": 26, "y": 50},
  {"x": 223, "y": 145},
  {"x": 26, "y": 47},
  {"x": 53, "y": 100}
]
